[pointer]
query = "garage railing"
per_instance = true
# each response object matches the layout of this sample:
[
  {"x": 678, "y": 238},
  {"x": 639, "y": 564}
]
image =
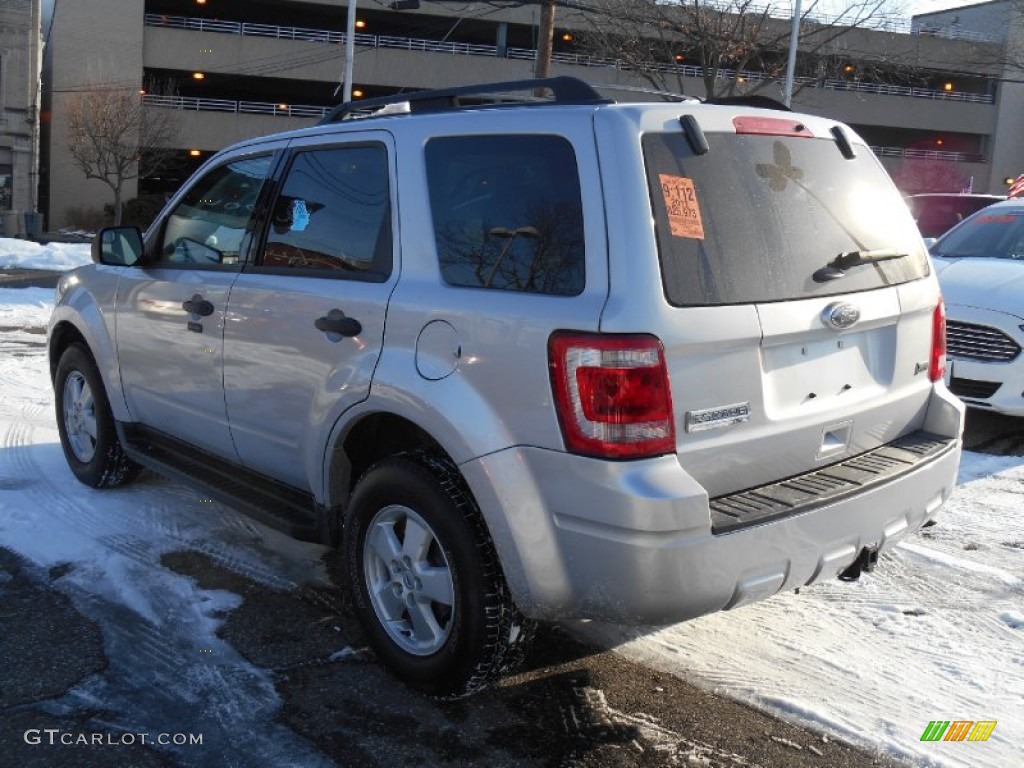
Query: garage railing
[{"x": 468, "y": 49}]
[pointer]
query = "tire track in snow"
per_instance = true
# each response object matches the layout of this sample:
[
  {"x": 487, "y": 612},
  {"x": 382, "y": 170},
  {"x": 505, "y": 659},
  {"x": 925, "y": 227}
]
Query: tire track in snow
[
  {"x": 154, "y": 621},
  {"x": 138, "y": 523}
]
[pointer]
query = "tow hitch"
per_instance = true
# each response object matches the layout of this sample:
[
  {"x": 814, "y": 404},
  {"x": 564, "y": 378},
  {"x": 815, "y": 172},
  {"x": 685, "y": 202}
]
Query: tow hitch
[{"x": 865, "y": 563}]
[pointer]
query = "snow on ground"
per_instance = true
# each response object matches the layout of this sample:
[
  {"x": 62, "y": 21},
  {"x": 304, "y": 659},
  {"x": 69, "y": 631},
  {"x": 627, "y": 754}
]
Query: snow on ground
[
  {"x": 26, "y": 254},
  {"x": 936, "y": 633},
  {"x": 147, "y": 613}
]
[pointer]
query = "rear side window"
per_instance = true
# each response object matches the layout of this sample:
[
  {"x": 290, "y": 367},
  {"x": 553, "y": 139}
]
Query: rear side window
[
  {"x": 507, "y": 213},
  {"x": 757, "y": 217}
]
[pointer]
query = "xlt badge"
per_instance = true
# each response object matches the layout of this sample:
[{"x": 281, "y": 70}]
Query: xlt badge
[{"x": 719, "y": 416}]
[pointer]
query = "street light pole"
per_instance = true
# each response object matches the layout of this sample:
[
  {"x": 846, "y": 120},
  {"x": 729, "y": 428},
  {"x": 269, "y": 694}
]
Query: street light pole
[
  {"x": 794, "y": 42},
  {"x": 350, "y": 50}
]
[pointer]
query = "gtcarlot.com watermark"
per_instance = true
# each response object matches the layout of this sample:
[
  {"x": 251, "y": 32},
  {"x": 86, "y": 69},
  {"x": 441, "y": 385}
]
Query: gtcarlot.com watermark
[{"x": 56, "y": 737}]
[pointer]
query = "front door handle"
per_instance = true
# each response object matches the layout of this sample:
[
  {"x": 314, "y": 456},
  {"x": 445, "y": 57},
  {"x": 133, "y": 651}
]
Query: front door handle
[
  {"x": 336, "y": 322},
  {"x": 197, "y": 305}
]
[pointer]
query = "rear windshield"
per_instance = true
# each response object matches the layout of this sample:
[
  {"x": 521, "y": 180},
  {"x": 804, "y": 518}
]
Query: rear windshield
[
  {"x": 993, "y": 234},
  {"x": 760, "y": 219}
]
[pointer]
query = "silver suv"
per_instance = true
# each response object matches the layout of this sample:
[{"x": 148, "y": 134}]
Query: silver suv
[{"x": 528, "y": 361}]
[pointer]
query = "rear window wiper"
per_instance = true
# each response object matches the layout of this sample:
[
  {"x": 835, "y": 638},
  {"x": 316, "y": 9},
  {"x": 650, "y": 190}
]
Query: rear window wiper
[{"x": 844, "y": 261}]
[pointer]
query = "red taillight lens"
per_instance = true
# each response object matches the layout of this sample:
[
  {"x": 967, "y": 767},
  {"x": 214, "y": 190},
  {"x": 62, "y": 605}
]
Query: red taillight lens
[
  {"x": 612, "y": 395},
  {"x": 937, "y": 362}
]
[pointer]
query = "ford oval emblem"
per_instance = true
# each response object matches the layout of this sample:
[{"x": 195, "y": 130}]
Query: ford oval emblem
[{"x": 840, "y": 316}]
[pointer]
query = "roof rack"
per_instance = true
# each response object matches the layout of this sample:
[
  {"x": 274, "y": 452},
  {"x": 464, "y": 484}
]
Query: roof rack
[
  {"x": 565, "y": 90},
  {"x": 757, "y": 101},
  {"x": 671, "y": 96}
]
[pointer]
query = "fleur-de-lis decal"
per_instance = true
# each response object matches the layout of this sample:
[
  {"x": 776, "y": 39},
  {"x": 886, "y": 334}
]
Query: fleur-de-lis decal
[{"x": 782, "y": 172}]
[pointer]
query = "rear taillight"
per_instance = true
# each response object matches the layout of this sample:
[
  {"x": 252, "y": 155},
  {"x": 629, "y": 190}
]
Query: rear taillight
[
  {"x": 937, "y": 362},
  {"x": 612, "y": 395}
]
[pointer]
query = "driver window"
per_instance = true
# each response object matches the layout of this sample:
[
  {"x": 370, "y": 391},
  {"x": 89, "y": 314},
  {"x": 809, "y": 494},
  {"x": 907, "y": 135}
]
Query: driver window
[{"x": 209, "y": 226}]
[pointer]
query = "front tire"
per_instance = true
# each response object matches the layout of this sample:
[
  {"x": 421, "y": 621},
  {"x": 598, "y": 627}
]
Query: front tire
[
  {"x": 86, "y": 425},
  {"x": 428, "y": 588}
]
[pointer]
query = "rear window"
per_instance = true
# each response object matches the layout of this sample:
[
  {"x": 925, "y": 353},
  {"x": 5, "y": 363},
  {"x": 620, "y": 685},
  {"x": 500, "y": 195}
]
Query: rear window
[
  {"x": 994, "y": 234},
  {"x": 757, "y": 218}
]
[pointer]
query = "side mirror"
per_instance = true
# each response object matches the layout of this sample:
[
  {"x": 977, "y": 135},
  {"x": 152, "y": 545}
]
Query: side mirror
[{"x": 118, "y": 246}]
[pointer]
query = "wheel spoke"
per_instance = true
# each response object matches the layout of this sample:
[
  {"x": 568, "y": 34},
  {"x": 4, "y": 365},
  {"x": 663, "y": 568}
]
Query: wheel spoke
[
  {"x": 89, "y": 426},
  {"x": 85, "y": 398},
  {"x": 383, "y": 542},
  {"x": 424, "y": 626},
  {"x": 388, "y": 602},
  {"x": 437, "y": 585},
  {"x": 417, "y": 541},
  {"x": 74, "y": 386}
]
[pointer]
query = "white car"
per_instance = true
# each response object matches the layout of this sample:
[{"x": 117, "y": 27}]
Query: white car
[{"x": 980, "y": 264}]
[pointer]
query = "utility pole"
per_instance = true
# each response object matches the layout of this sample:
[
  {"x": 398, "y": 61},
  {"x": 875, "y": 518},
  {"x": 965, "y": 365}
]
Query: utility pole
[
  {"x": 794, "y": 43},
  {"x": 546, "y": 38},
  {"x": 350, "y": 49}
]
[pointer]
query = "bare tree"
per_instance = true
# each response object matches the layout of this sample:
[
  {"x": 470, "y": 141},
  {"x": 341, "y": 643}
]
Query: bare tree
[
  {"x": 922, "y": 174},
  {"x": 726, "y": 40},
  {"x": 114, "y": 136}
]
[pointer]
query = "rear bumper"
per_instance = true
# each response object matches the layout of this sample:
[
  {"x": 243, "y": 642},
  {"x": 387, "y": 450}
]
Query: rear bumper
[{"x": 631, "y": 542}]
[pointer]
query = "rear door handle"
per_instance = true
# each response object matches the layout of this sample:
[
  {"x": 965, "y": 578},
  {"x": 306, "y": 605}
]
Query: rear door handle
[
  {"x": 336, "y": 322},
  {"x": 197, "y": 305}
]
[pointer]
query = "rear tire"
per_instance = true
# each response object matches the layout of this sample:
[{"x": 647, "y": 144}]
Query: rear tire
[
  {"x": 86, "y": 425},
  {"x": 426, "y": 582}
]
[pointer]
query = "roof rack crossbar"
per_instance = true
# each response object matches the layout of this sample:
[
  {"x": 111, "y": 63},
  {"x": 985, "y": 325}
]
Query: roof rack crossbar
[{"x": 566, "y": 90}]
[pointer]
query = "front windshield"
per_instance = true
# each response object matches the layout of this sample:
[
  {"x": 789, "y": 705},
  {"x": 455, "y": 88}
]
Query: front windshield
[{"x": 992, "y": 234}]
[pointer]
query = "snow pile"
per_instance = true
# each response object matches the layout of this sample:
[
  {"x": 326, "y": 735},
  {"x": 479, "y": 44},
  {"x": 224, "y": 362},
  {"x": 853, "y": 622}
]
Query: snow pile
[
  {"x": 24, "y": 254},
  {"x": 25, "y": 308}
]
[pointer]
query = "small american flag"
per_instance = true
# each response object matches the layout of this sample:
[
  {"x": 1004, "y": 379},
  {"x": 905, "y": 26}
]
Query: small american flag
[{"x": 1017, "y": 188}]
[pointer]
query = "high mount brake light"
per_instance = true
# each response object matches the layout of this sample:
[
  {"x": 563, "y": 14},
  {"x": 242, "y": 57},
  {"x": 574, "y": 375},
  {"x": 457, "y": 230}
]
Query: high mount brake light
[
  {"x": 612, "y": 395},
  {"x": 937, "y": 360},
  {"x": 771, "y": 126}
]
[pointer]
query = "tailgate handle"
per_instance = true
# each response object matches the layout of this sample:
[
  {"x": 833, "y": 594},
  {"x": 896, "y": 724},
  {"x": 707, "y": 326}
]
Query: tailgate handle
[{"x": 834, "y": 439}]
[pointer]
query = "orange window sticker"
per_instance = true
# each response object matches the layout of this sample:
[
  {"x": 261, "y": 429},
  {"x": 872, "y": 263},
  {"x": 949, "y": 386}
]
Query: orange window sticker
[{"x": 681, "y": 204}]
